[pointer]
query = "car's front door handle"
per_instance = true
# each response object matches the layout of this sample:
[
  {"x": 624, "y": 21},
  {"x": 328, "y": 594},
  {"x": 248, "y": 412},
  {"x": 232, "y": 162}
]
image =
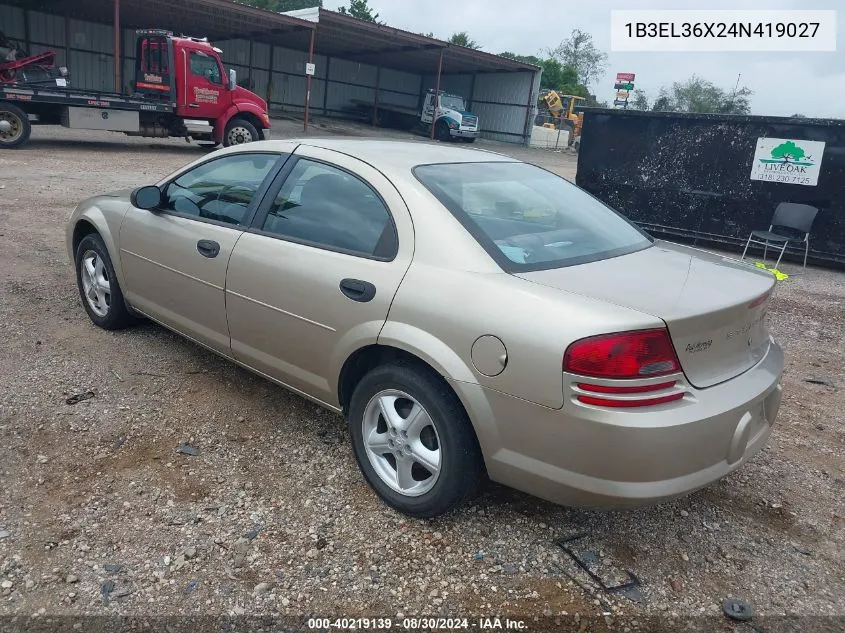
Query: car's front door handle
[
  {"x": 193, "y": 105},
  {"x": 208, "y": 248},
  {"x": 358, "y": 290}
]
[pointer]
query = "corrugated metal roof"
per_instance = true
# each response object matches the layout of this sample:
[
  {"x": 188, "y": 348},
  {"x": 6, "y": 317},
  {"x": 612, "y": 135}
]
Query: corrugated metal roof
[
  {"x": 337, "y": 35},
  {"x": 215, "y": 19},
  {"x": 346, "y": 37}
]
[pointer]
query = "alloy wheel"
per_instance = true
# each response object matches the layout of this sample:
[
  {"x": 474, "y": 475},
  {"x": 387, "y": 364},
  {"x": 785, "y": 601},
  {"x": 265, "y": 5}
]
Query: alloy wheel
[
  {"x": 95, "y": 283},
  {"x": 402, "y": 443}
]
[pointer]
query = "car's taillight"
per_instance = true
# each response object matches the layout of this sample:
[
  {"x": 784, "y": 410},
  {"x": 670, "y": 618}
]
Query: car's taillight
[
  {"x": 638, "y": 354},
  {"x": 614, "y": 389},
  {"x": 631, "y": 402}
]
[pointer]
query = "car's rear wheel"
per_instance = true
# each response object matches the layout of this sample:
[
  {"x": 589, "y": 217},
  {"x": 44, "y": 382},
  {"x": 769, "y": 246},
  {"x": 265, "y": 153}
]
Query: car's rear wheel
[
  {"x": 413, "y": 440},
  {"x": 98, "y": 286}
]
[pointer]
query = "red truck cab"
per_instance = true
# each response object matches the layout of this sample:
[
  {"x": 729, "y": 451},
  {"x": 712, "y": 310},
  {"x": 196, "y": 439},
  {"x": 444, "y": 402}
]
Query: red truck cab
[{"x": 188, "y": 74}]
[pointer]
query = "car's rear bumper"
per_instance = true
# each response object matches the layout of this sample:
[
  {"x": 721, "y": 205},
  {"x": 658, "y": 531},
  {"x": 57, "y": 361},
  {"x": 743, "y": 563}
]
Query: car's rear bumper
[{"x": 590, "y": 457}]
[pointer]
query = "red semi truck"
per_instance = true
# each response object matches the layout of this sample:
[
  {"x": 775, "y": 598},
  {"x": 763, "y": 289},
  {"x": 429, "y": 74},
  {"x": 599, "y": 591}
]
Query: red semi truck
[{"x": 180, "y": 89}]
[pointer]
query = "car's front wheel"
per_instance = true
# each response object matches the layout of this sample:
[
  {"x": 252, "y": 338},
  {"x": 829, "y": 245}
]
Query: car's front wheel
[
  {"x": 98, "y": 285},
  {"x": 413, "y": 440}
]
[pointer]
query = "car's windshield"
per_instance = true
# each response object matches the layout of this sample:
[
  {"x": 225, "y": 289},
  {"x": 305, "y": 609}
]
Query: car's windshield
[
  {"x": 453, "y": 103},
  {"x": 528, "y": 218}
]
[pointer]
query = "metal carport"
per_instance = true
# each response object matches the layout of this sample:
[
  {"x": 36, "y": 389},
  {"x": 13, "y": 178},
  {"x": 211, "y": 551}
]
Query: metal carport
[{"x": 354, "y": 59}]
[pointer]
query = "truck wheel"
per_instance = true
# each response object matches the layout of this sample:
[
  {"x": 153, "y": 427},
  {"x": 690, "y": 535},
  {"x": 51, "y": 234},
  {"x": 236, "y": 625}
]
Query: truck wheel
[
  {"x": 15, "y": 127},
  {"x": 239, "y": 131},
  {"x": 441, "y": 131}
]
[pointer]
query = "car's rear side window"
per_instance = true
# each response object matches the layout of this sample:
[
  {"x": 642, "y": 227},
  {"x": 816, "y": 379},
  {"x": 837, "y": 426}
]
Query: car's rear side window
[
  {"x": 324, "y": 206},
  {"x": 528, "y": 218}
]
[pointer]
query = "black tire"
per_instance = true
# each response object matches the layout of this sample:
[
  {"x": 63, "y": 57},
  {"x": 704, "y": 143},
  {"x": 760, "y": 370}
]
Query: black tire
[
  {"x": 238, "y": 132},
  {"x": 19, "y": 126},
  {"x": 117, "y": 316},
  {"x": 441, "y": 132},
  {"x": 462, "y": 474}
]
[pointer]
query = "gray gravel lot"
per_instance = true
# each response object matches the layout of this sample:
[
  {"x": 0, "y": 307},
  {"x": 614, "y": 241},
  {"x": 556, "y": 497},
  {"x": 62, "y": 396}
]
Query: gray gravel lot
[{"x": 273, "y": 516}]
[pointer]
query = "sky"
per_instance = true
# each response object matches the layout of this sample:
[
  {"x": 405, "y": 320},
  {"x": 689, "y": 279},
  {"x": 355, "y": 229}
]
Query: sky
[{"x": 783, "y": 83}]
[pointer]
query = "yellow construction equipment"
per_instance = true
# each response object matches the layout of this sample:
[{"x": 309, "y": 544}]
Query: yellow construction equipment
[{"x": 557, "y": 111}]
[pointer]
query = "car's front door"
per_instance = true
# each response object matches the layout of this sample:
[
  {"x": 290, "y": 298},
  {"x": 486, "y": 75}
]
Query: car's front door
[
  {"x": 315, "y": 277},
  {"x": 174, "y": 258}
]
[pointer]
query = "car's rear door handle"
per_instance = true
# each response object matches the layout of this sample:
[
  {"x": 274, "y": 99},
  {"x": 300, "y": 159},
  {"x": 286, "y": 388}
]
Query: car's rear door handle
[
  {"x": 193, "y": 105},
  {"x": 358, "y": 290},
  {"x": 208, "y": 248}
]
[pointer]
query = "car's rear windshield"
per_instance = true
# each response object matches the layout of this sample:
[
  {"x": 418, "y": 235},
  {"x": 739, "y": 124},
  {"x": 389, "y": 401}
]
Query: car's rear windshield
[{"x": 528, "y": 218}]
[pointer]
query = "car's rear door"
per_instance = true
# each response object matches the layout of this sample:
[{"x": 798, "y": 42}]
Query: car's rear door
[
  {"x": 314, "y": 278},
  {"x": 174, "y": 258}
]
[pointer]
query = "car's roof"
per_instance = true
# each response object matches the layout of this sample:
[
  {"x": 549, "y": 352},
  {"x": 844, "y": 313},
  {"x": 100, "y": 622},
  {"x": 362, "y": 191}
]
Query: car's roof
[{"x": 398, "y": 154}]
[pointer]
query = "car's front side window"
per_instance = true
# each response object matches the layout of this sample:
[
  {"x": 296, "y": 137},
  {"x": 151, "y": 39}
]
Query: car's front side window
[
  {"x": 221, "y": 189},
  {"x": 322, "y": 205}
]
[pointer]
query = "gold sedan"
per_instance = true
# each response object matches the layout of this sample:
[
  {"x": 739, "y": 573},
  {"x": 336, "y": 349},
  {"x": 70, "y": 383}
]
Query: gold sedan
[{"x": 470, "y": 315}]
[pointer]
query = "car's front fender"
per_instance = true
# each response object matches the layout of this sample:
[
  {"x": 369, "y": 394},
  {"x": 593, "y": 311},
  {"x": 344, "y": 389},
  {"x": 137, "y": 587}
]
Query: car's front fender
[{"x": 105, "y": 214}]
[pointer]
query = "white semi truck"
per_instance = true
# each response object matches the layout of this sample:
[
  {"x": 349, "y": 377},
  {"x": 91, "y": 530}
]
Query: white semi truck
[{"x": 452, "y": 120}]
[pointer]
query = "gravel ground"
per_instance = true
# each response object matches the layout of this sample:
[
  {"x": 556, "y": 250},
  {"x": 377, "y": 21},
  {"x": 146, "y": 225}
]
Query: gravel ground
[{"x": 100, "y": 515}]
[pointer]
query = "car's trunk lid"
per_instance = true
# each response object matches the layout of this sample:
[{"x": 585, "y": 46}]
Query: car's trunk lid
[{"x": 714, "y": 307}]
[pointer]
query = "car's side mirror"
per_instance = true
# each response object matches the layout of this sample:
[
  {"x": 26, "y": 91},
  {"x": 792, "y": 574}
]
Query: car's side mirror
[
  {"x": 233, "y": 79},
  {"x": 146, "y": 198}
]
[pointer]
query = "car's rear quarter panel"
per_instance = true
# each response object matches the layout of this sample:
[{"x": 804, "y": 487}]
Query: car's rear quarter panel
[{"x": 535, "y": 323}]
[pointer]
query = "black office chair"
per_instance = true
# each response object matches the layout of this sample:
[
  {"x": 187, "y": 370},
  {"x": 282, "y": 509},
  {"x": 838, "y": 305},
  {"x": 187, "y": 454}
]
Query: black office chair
[{"x": 796, "y": 218}]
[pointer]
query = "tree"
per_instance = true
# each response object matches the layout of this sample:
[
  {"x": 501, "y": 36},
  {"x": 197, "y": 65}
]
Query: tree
[
  {"x": 359, "y": 9},
  {"x": 562, "y": 78},
  {"x": 640, "y": 101},
  {"x": 281, "y": 6},
  {"x": 556, "y": 76},
  {"x": 527, "y": 59},
  {"x": 798, "y": 115},
  {"x": 579, "y": 52},
  {"x": 788, "y": 150},
  {"x": 463, "y": 39},
  {"x": 700, "y": 95},
  {"x": 429, "y": 34}
]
